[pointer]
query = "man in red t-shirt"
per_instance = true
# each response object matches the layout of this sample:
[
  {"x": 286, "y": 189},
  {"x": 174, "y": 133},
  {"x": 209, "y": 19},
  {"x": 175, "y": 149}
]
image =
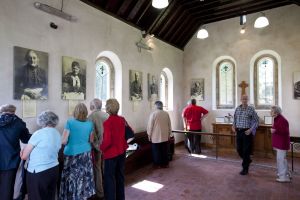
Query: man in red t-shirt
[{"x": 192, "y": 116}]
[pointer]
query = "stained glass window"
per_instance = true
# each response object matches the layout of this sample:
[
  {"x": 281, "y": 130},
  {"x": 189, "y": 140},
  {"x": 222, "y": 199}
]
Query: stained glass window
[
  {"x": 102, "y": 80},
  {"x": 225, "y": 84},
  {"x": 265, "y": 82}
]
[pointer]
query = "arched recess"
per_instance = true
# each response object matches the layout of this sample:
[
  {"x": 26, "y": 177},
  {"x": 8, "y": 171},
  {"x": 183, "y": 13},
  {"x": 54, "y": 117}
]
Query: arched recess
[
  {"x": 275, "y": 57},
  {"x": 116, "y": 87},
  {"x": 168, "y": 84},
  {"x": 215, "y": 80}
]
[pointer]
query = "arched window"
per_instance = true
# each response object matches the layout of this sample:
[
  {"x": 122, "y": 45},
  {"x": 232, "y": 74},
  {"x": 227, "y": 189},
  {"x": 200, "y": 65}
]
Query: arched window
[
  {"x": 225, "y": 84},
  {"x": 104, "y": 79},
  {"x": 163, "y": 92},
  {"x": 265, "y": 82},
  {"x": 166, "y": 88}
]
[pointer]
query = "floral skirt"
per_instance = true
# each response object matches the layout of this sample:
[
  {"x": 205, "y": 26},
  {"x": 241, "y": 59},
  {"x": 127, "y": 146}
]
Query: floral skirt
[{"x": 77, "y": 179}]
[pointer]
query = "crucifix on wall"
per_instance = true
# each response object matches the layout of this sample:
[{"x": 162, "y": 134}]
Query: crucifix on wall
[{"x": 243, "y": 85}]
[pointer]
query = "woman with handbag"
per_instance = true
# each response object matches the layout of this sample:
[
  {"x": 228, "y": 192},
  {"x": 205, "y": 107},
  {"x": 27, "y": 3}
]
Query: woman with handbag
[{"x": 113, "y": 148}]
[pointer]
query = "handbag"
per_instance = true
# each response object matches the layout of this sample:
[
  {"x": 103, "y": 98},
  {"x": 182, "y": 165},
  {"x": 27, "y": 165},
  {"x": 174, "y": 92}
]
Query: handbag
[{"x": 129, "y": 133}]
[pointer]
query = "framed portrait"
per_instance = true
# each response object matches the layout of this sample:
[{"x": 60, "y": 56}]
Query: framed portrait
[
  {"x": 153, "y": 93},
  {"x": 197, "y": 89},
  {"x": 135, "y": 85},
  {"x": 268, "y": 120},
  {"x": 296, "y": 80},
  {"x": 30, "y": 74},
  {"x": 73, "y": 78},
  {"x": 220, "y": 120}
]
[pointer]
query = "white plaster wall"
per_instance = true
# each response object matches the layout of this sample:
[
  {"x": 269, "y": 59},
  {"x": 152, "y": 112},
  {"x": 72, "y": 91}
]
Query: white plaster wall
[
  {"x": 281, "y": 36},
  {"x": 94, "y": 32}
]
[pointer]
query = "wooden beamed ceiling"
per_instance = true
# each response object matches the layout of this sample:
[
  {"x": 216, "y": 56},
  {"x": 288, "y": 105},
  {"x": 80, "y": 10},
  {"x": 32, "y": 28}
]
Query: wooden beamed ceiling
[{"x": 177, "y": 23}]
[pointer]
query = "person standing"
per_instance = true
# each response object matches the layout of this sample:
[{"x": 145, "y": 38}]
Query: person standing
[
  {"x": 245, "y": 122},
  {"x": 12, "y": 130},
  {"x": 77, "y": 179},
  {"x": 42, "y": 152},
  {"x": 192, "y": 116},
  {"x": 159, "y": 131},
  {"x": 113, "y": 148},
  {"x": 97, "y": 117},
  {"x": 281, "y": 143}
]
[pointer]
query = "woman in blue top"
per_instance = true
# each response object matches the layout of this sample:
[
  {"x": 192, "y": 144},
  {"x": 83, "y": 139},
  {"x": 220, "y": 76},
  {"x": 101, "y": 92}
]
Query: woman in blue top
[
  {"x": 77, "y": 180},
  {"x": 42, "y": 151}
]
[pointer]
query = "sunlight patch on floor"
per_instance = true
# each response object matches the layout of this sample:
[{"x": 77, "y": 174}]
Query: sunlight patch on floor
[
  {"x": 198, "y": 155},
  {"x": 148, "y": 186}
]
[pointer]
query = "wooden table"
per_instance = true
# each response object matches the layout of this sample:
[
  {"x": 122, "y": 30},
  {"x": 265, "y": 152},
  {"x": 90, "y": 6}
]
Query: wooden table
[{"x": 262, "y": 141}]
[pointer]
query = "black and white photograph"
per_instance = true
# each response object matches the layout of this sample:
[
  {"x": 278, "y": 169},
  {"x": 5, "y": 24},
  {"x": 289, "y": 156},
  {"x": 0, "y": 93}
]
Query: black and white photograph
[
  {"x": 30, "y": 74},
  {"x": 152, "y": 87},
  {"x": 297, "y": 85},
  {"x": 73, "y": 78},
  {"x": 197, "y": 89},
  {"x": 136, "y": 82}
]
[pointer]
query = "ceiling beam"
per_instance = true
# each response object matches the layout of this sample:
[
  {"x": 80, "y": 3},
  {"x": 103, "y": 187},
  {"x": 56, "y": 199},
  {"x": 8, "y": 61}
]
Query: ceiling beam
[
  {"x": 249, "y": 11},
  {"x": 186, "y": 32},
  {"x": 171, "y": 19},
  {"x": 238, "y": 10},
  {"x": 136, "y": 9},
  {"x": 180, "y": 27},
  {"x": 124, "y": 7},
  {"x": 174, "y": 26},
  {"x": 162, "y": 15}
]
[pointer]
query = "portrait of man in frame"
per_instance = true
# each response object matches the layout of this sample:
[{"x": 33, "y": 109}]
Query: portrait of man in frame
[
  {"x": 197, "y": 89},
  {"x": 152, "y": 87},
  {"x": 297, "y": 85},
  {"x": 135, "y": 83}
]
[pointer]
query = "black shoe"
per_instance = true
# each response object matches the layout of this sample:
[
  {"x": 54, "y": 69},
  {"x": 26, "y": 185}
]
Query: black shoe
[{"x": 244, "y": 172}]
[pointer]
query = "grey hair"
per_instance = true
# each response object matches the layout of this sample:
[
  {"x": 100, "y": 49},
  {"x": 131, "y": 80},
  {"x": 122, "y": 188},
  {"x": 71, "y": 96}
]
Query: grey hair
[
  {"x": 47, "y": 118},
  {"x": 96, "y": 104},
  {"x": 112, "y": 106},
  {"x": 276, "y": 109},
  {"x": 8, "y": 108},
  {"x": 159, "y": 105}
]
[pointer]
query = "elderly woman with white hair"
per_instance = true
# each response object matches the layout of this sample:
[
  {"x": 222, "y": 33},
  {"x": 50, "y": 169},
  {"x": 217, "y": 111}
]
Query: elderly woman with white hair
[
  {"x": 42, "y": 151},
  {"x": 281, "y": 143}
]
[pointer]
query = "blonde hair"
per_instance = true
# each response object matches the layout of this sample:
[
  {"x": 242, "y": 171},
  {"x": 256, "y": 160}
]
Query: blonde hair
[
  {"x": 112, "y": 106},
  {"x": 80, "y": 112}
]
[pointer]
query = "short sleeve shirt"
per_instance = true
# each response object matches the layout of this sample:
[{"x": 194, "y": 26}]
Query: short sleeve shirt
[
  {"x": 46, "y": 143},
  {"x": 79, "y": 136}
]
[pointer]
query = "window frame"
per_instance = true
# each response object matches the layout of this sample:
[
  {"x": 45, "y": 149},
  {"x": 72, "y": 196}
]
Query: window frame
[
  {"x": 218, "y": 105},
  {"x": 111, "y": 78},
  {"x": 275, "y": 81}
]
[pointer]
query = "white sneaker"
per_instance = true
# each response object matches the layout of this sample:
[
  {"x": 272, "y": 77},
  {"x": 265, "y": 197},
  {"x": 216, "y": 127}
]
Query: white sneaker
[{"x": 281, "y": 180}]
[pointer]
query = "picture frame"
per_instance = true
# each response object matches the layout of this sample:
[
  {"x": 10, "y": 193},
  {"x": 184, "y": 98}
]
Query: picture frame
[
  {"x": 135, "y": 85},
  {"x": 197, "y": 89},
  {"x": 220, "y": 120},
  {"x": 296, "y": 82},
  {"x": 73, "y": 78},
  {"x": 30, "y": 74},
  {"x": 153, "y": 89},
  {"x": 268, "y": 120}
]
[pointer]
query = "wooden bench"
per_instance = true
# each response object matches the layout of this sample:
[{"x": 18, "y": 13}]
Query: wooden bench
[{"x": 143, "y": 155}]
